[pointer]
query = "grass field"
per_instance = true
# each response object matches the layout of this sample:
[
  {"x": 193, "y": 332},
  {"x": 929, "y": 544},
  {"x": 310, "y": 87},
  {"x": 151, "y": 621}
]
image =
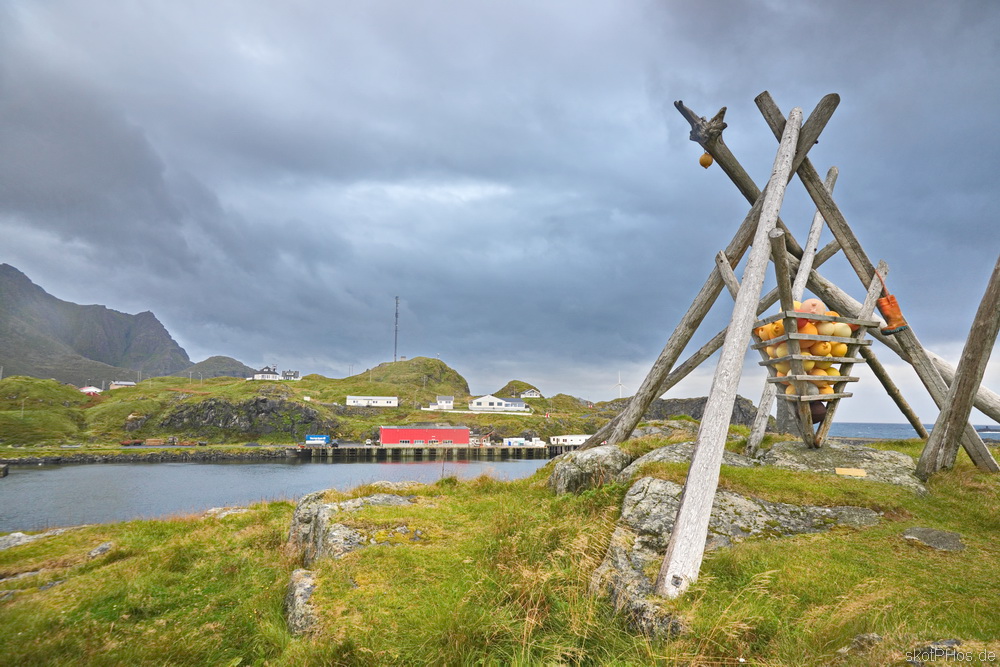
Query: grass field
[{"x": 502, "y": 578}]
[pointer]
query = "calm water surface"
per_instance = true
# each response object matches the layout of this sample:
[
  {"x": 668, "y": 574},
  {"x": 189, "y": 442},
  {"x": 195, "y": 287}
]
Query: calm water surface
[{"x": 39, "y": 497}]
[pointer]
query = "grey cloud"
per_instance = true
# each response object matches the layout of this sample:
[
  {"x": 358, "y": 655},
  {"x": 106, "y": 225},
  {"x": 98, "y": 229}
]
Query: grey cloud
[{"x": 268, "y": 178}]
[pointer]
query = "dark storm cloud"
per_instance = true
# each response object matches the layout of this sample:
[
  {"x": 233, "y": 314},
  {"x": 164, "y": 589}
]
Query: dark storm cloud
[{"x": 267, "y": 178}]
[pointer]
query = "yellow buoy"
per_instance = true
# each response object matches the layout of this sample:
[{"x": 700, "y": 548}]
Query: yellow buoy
[{"x": 705, "y": 160}]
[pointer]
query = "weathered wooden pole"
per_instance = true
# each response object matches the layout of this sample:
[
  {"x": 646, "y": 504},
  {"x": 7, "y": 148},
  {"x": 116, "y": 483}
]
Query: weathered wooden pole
[
  {"x": 709, "y": 136},
  {"x": 687, "y": 540},
  {"x": 942, "y": 446}
]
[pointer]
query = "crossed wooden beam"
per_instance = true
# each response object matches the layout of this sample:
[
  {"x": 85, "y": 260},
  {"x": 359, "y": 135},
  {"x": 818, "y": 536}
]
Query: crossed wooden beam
[
  {"x": 771, "y": 241},
  {"x": 933, "y": 371}
]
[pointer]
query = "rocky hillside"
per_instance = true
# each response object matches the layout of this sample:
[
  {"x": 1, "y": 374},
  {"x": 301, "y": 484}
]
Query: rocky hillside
[
  {"x": 43, "y": 336},
  {"x": 744, "y": 409}
]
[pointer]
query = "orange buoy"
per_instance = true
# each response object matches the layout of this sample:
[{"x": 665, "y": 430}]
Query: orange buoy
[{"x": 705, "y": 160}]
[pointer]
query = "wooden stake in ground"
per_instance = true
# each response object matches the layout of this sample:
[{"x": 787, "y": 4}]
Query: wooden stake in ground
[
  {"x": 687, "y": 541},
  {"x": 942, "y": 447}
]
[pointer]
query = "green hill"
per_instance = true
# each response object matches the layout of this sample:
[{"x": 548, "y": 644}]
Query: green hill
[
  {"x": 230, "y": 410},
  {"x": 215, "y": 367},
  {"x": 514, "y": 389}
]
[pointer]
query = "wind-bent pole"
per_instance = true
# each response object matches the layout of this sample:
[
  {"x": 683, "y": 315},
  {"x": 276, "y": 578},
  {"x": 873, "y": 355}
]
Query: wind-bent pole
[
  {"x": 687, "y": 540},
  {"x": 942, "y": 446},
  {"x": 709, "y": 135}
]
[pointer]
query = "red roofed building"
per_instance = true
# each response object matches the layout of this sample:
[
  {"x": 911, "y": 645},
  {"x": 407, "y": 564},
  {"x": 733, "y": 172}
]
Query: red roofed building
[{"x": 424, "y": 435}]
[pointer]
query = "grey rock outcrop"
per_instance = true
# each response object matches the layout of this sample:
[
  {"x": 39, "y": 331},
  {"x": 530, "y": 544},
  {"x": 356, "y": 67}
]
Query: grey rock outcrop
[
  {"x": 678, "y": 453},
  {"x": 580, "y": 470},
  {"x": 640, "y": 539},
  {"x": 315, "y": 529},
  {"x": 879, "y": 465},
  {"x": 671, "y": 428},
  {"x": 941, "y": 540},
  {"x": 273, "y": 410},
  {"x": 100, "y": 549},
  {"x": 744, "y": 410},
  {"x": 300, "y": 614},
  {"x": 17, "y": 539}
]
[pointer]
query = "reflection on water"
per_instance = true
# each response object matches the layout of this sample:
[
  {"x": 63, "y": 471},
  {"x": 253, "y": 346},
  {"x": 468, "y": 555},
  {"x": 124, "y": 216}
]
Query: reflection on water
[{"x": 44, "y": 496}]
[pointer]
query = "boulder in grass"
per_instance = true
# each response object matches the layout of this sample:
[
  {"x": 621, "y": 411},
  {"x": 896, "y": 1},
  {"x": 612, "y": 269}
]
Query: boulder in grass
[
  {"x": 300, "y": 615},
  {"x": 679, "y": 453},
  {"x": 581, "y": 470},
  {"x": 640, "y": 539},
  {"x": 317, "y": 531}
]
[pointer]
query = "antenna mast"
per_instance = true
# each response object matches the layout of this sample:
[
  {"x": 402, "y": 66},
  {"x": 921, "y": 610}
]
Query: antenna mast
[{"x": 395, "y": 340}]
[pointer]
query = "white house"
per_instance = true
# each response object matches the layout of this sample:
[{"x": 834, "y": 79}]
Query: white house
[
  {"x": 118, "y": 384},
  {"x": 531, "y": 393},
  {"x": 373, "y": 401},
  {"x": 443, "y": 403},
  {"x": 267, "y": 373},
  {"x": 523, "y": 442},
  {"x": 568, "y": 440},
  {"x": 490, "y": 403},
  {"x": 290, "y": 375}
]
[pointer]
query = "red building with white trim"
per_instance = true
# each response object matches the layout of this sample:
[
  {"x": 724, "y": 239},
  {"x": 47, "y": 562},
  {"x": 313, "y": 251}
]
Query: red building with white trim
[{"x": 424, "y": 435}]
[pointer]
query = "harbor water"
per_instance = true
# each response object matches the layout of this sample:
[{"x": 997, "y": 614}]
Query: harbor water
[{"x": 44, "y": 496}]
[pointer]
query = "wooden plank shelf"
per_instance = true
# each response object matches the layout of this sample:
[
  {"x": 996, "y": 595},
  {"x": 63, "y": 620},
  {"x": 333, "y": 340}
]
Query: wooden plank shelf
[
  {"x": 808, "y": 357},
  {"x": 829, "y": 379},
  {"x": 784, "y": 338},
  {"x": 814, "y": 318},
  {"x": 818, "y": 397}
]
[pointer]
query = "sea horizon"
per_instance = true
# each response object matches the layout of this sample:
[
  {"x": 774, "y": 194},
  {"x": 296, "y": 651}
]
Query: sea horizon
[{"x": 897, "y": 430}]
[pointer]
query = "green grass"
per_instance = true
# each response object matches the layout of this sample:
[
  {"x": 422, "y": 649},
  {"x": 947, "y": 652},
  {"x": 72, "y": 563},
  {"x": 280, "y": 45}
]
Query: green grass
[
  {"x": 501, "y": 577},
  {"x": 57, "y": 414}
]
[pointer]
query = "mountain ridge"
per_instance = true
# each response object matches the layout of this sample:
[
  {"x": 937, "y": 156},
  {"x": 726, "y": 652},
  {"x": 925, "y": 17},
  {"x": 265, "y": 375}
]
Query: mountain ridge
[{"x": 44, "y": 336}]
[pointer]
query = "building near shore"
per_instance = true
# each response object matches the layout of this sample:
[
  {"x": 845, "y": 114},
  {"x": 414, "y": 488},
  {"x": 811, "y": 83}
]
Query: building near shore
[
  {"x": 425, "y": 436},
  {"x": 569, "y": 440},
  {"x": 490, "y": 403},
  {"x": 118, "y": 384},
  {"x": 373, "y": 401}
]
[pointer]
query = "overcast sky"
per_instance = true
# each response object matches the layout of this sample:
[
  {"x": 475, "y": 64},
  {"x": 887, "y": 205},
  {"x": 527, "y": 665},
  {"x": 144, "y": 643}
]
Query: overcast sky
[{"x": 267, "y": 177}]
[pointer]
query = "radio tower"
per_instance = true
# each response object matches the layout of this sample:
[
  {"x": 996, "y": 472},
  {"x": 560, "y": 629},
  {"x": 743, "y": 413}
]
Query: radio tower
[{"x": 395, "y": 340}]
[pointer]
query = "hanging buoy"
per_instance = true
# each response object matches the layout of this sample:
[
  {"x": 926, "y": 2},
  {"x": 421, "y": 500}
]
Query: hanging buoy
[{"x": 705, "y": 160}]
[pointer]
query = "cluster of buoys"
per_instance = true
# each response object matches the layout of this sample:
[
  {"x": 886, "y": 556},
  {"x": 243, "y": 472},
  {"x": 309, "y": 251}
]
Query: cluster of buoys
[{"x": 824, "y": 351}]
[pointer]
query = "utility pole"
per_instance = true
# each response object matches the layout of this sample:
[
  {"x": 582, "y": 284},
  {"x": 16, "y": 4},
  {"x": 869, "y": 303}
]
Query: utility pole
[{"x": 395, "y": 340}]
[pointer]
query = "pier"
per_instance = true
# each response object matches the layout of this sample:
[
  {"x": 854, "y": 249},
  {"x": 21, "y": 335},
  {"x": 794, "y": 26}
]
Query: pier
[{"x": 352, "y": 452}]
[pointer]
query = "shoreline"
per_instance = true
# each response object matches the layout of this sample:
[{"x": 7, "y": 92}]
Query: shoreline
[{"x": 158, "y": 456}]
